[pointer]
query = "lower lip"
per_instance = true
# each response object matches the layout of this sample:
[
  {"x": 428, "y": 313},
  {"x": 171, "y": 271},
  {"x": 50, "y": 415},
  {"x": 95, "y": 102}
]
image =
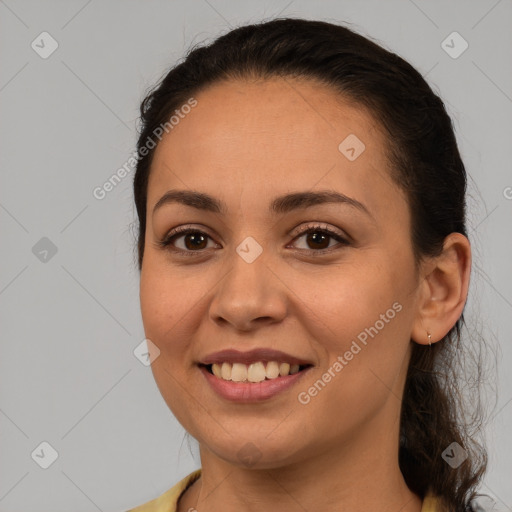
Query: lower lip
[{"x": 251, "y": 391}]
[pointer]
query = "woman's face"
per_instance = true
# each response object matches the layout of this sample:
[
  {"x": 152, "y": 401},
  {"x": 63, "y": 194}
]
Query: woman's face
[{"x": 251, "y": 280}]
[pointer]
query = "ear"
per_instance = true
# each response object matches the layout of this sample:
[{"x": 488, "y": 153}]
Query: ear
[{"x": 443, "y": 290}]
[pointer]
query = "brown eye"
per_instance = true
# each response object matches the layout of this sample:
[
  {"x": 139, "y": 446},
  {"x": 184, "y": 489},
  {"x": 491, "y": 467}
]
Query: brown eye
[
  {"x": 193, "y": 240},
  {"x": 187, "y": 241},
  {"x": 317, "y": 239}
]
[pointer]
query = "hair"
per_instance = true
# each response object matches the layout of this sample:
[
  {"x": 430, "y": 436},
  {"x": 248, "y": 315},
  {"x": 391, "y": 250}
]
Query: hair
[{"x": 424, "y": 161}]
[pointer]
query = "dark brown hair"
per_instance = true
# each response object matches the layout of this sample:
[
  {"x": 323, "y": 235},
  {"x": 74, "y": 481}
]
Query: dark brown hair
[{"x": 425, "y": 163}]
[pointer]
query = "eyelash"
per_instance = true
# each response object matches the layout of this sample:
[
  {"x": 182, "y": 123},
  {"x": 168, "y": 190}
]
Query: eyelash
[{"x": 166, "y": 243}]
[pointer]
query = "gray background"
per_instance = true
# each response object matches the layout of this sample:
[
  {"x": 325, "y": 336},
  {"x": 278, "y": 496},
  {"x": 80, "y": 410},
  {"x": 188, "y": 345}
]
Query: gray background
[{"x": 70, "y": 320}]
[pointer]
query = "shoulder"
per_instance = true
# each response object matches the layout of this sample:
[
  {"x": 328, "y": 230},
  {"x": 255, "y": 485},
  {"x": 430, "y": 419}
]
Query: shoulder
[
  {"x": 167, "y": 501},
  {"x": 432, "y": 503}
]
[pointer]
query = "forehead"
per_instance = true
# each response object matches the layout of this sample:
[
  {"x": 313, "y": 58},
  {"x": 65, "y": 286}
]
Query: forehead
[{"x": 273, "y": 135}]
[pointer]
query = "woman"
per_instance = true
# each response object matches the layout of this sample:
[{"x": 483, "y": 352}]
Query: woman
[{"x": 304, "y": 270}]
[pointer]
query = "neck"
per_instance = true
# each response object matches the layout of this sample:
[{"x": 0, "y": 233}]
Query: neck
[{"x": 359, "y": 475}]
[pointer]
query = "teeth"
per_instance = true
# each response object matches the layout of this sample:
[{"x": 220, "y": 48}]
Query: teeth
[
  {"x": 255, "y": 372},
  {"x": 284, "y": 369},
  {"x": 294, "y": 368},
  {"x": 225, "y": 371},
  {"x": 216, "y": 369},
  {"x": 238, "y": 372},
  {"x": 272, "y": 370}
]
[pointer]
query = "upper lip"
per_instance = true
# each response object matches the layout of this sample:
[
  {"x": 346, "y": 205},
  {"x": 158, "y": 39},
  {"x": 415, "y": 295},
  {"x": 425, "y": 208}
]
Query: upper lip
[{"x": 253, "y": 356}]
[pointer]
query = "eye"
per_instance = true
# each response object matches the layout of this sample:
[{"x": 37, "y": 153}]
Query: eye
[
  {"x": 194, "y": 240},
  {"x": 318, "y": 236}
]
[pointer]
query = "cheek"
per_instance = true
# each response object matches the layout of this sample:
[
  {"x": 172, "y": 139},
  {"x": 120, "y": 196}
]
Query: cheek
[
  {"x": 351, "y": 299},
  {"x": 169, "y": 307},
  {"x": 169, "y": 303},
  {"x": 362, "y": 317}
]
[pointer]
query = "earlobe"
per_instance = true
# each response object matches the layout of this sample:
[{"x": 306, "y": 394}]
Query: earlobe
[{"x": 444, "y": 290}]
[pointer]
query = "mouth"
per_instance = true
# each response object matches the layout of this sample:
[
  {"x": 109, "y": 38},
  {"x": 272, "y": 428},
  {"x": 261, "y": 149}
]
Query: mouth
[
  {"x": 252, "y": 376},
  {"x": 258, "y": 371},
  {"x": 251, "y": 383}
]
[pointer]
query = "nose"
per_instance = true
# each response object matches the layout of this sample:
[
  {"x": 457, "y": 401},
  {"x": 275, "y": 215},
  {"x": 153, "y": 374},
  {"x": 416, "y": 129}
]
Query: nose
[{"x": 249, "y": 295}]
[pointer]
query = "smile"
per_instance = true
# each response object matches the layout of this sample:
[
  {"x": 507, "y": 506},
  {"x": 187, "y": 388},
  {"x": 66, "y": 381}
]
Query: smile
[{"x": 254, "y": 372}]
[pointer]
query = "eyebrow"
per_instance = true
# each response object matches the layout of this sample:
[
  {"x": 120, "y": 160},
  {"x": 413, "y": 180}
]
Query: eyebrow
[{"x": 280, "y": 205}]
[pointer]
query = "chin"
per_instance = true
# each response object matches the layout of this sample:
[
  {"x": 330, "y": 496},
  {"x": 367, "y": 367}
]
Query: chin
[{"x": 258, "y": 452}]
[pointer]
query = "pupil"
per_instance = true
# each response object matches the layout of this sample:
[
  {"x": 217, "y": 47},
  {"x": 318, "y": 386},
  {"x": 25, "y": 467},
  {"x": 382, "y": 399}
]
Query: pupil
[
  {"x": 315, "y": 237},
  {"x": 196, "y": 240}
]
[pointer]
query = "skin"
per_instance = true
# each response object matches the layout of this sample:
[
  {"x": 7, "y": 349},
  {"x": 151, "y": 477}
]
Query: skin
[{"x": 245, "y": 143}]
